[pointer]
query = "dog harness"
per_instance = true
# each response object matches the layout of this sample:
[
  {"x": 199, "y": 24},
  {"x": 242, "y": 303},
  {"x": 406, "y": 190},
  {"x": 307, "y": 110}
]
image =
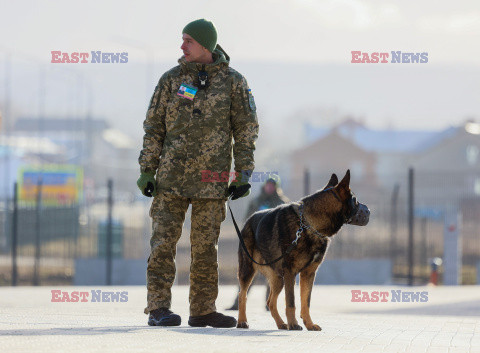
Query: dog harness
[
  {"x": 303, "y": 226},
  {"x": 298, "y": 234}
]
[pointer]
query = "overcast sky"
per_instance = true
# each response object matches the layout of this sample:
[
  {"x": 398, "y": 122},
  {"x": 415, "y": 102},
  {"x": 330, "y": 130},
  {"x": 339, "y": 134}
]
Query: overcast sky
[
  {"x": 288, "y": 30},
  {"x": 294, "y": 53}
]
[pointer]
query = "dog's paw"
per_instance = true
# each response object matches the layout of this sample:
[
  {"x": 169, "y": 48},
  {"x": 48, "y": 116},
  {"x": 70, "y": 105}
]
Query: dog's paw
[
  {"x": 314, "y": 327},
  {"x": 296, "y": 327},
  {"x": 282, "y": 327},
  {"x": 243, "y": 324}
]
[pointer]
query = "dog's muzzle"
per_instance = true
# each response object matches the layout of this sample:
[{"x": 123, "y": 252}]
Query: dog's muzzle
[{"x": 362, "y": 216}]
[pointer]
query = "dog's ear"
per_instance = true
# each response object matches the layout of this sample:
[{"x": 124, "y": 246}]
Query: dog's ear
[
  {"x": 332, "y": 182},
  {"x": 343, "y": 187}
]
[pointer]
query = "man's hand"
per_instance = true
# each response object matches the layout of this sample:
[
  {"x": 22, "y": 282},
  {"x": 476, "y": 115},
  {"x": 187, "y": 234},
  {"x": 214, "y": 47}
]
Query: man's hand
[
  {"x": 147, "y": 185},
  {"x": 240, "y": 187}
]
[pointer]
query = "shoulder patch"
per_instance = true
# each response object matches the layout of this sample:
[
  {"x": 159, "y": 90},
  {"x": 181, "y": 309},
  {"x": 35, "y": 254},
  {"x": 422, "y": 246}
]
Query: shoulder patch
[{"x": 251, "y": 101}]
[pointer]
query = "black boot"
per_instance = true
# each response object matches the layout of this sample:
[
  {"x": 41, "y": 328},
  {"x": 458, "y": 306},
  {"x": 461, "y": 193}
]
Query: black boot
[
  {"x": 213, "y": 319},
  {"x": 163, "y": 317}
]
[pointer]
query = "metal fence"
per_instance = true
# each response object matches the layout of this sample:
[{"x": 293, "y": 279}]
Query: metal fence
[
  {"x": 42, "y": 241},
  {"x": 435, "y": 193},
  {"x": 50, "y": 238}
]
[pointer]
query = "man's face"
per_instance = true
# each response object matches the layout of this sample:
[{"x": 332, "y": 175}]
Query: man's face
[
  {"x": 269, "y": 188},
  {"x": 192, "y": 50}
]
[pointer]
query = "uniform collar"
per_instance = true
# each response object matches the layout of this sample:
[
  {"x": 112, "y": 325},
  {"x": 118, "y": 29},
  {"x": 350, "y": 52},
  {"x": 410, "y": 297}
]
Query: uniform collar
[{"x": 220, "y": 60}]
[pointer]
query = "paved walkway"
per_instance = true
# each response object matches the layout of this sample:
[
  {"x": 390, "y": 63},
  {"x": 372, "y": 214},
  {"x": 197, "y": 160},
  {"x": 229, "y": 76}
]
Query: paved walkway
[{"x": 448, "y": 322}]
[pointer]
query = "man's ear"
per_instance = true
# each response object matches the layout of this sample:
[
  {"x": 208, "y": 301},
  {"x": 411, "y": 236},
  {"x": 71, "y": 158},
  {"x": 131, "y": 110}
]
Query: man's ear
[
  {"x": 343, "y": 187},
  {"x": 332, "y": 182}
]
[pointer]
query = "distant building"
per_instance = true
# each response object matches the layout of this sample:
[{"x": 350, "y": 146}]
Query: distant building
[
  {"x": 333, "y": 153},
  {"x": 19, "y": 151},
  {"x": 446, "y": 163},
  {"x": 103, "y": 152},
  {"x": 451, "y": 163}
]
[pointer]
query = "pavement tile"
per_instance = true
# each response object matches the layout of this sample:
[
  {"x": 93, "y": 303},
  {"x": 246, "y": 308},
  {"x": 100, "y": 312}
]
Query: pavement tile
[{"x": 30, "y": 321}]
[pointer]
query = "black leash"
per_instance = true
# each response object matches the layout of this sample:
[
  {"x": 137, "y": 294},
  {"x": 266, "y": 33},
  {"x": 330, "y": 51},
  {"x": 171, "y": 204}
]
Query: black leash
[{"x": 242, "y": 242}]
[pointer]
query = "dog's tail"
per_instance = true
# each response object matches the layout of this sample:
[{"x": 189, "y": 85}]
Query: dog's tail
[{"x": 246, "y": 270}]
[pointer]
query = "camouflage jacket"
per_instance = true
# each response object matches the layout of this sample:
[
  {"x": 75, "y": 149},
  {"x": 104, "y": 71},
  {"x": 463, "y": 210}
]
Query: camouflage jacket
[{"x": 185, "y": 136}]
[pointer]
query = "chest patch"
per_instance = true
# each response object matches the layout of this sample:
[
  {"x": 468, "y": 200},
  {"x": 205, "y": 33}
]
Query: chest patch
[{"x": 187, "y": 91}]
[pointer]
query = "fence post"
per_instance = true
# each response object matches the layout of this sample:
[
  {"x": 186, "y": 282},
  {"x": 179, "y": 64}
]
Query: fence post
[
  {"x": 452, "y": 247},
  {"x": 76, "y": 216},
  {"x": 14, "y": 235},
  {"x": 36, "y": 266},
  {"x": 393, "y": 223},
  {"x": 423, "y": 258},
  {"x": 410, "y": 225},
  {"x": 109, "y": 237}
]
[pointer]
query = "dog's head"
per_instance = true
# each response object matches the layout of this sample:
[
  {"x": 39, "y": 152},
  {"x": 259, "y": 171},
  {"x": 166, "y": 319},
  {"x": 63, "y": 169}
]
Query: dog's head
[{"x": 354, "y": 212}]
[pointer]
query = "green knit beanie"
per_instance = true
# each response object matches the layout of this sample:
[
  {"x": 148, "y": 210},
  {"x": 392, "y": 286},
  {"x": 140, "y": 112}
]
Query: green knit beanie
[{"x": 204, "y": 32}]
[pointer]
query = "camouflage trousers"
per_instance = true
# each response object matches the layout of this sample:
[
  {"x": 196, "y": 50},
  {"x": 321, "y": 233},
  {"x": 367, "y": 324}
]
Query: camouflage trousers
[{"x": 168, "y": 215}]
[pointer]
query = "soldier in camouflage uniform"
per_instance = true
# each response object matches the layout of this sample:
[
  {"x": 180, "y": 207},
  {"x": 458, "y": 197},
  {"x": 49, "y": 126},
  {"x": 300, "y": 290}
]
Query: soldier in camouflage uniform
[
  {"x": 270, "y": 196},
  {"x": 200, "y": 112}
]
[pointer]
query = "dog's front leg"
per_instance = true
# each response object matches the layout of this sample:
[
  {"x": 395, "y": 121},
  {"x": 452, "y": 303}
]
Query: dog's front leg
[
  {"x": 306, "y": 283},
  {"x": 292, "y": 322}
]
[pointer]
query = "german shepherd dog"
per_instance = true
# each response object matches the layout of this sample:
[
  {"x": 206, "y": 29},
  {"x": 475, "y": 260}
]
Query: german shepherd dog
[{"x": 269, "y": 233}]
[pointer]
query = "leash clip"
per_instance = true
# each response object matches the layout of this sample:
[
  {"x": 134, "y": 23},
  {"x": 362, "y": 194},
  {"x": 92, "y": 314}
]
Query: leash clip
[{"x": 298, "y": 234}]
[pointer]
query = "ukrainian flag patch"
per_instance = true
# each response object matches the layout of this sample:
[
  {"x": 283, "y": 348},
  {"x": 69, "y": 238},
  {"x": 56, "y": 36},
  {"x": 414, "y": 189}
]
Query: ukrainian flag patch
[{"x": 187, "y": 91}]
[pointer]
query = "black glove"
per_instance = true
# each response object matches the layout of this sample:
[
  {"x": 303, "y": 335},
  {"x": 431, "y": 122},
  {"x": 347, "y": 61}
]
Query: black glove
[
  {"x": 238, "y": 191},
  {"x": 240, "y": 186},
  {"x": 146, "y": 184},
  {"x": 149, "y": 190}
]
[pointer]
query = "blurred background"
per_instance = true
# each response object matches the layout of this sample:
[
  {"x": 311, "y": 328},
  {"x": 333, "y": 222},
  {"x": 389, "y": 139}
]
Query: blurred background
[{"x": 70, "y": 134}]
